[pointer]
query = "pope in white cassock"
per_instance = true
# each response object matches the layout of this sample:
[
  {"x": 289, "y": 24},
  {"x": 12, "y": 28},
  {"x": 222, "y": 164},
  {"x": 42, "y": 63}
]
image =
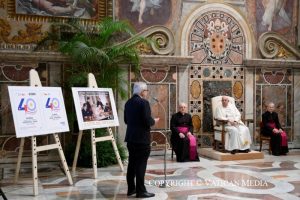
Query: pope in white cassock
[{"x": 238, "y": 135}]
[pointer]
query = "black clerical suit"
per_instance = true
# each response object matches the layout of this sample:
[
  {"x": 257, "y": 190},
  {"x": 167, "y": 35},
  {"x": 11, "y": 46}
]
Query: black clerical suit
[
  {"x": 276, "y": 147},
  {"x": 181, "y": 145},
  {"x": 137, "y": 116}
]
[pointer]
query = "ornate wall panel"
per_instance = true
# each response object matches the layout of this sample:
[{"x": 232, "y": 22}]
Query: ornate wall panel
[
  {"x": 162, "y": 85},
  {"x": 217, "y": 42},
  {"x": 275, "y": 85},
  {"x": 213, "y": 81}
]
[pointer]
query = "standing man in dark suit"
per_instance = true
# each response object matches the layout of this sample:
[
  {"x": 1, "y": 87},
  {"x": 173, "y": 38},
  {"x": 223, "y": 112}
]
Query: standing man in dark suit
[{"x": 137, "y": 116}]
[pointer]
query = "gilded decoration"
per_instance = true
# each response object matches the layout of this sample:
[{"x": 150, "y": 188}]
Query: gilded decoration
[
  {"x": 238, "y": 89},
  {"x": 196, "y": 123},
  {"x": 273, "y": 46},
  {"x": 89, "y": 12},
  {"x": 163, "y": 40},
  {"x": 283, "y": 53},
  {"x": 31, "y": 34},
  {"x": 2, "y": 3},
  {"x": 195, "y": 89},
  {"x": 4, "y": 30},
  {"x": 144, "y": 49}
]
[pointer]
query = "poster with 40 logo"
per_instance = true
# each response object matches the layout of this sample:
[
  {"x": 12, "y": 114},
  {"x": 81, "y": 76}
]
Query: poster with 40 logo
[{"x": 38, "y": 110}]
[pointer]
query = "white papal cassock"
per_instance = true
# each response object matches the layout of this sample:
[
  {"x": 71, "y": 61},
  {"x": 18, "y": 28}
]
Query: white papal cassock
[{"x": 238, "y": 137}]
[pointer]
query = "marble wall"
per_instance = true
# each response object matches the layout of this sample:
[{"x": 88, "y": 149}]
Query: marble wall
[
  {"x": 296, "y": 111},
  {"x": 162, "y": 85},
  {"x": 275, "y": 85}
]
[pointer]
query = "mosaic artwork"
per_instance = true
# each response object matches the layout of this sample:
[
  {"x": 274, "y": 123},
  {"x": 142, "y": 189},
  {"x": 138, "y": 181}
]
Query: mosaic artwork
[
  {"x": 205, "y": 83},
  {"x": 217, "y": 42},
  {"x": 216, "y": 38},
  {"x": 275, "y": 86}
]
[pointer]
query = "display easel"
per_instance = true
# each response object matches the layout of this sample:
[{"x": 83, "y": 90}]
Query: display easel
[
  {"x": 93, "y": 84},
  {"x": 2, "y": 194},
  {"x": 35, "y": 82}
]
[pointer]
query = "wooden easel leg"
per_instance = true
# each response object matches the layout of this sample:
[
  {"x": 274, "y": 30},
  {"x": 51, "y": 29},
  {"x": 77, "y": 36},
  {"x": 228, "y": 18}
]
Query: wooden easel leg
[
  {"x": 113, "y": 141},
  {"x": 94, "y": 153},
  {"x": 34, "y": 166},
  {"x": 19, "y": 159},
  {"x": 2, "y": 194},
  {"x": 76, "y": 152},
  {"x": 63, "y": 159}
]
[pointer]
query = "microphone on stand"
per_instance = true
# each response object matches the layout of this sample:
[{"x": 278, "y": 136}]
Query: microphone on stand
[
  {"x": 155, "y": 99},
  {"x": 164, "y": 184}
]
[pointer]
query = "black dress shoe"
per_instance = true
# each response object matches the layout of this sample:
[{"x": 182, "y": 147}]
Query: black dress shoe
[
  {"x": 145, "y": 195},
  {"x": 247, "y": 150},
  {"x": 233, "y": 151},
  {"x": 129, "y": 193}
]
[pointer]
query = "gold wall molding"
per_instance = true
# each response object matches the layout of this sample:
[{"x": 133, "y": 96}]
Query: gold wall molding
[
  {"x": 2, "y": 3},
  {"x": 104, "y": 10},
  {"x": 273, "y": 46},
  {"x": 31, "y": 34},
  {"x": 164, "y": 41}
]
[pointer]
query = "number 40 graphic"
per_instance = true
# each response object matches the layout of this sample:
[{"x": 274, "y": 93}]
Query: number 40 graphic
[
  {"x": 28, "y": 106},
  {"x": 52, "y": 103}
]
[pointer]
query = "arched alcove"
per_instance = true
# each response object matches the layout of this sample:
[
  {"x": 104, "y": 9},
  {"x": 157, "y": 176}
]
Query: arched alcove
[{"x": 219, "y": 39}]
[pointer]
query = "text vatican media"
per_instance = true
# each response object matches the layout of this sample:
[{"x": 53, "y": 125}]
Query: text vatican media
[{"x": 208, "y": 182}]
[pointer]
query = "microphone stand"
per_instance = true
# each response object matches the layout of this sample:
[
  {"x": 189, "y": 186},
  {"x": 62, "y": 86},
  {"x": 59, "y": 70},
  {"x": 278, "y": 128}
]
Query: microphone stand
[{"x": 164, "y": 184}]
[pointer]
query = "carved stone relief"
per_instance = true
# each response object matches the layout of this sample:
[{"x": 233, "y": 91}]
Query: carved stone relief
[{"x": 273, "y": 46}]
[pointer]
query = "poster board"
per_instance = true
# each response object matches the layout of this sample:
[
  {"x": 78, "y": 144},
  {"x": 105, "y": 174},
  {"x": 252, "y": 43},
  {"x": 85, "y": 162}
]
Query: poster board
[
  {"x": 95, "y": 108},
  {"x": 38, "y": 110}
]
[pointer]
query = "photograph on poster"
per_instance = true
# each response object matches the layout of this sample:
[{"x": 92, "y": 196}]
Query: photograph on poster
[
  {"x": 38, "y": 110},
  {"x": 95, "y": 108}
]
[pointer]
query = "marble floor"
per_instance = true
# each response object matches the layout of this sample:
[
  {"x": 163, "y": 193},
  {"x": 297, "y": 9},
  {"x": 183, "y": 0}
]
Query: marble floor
[{"x": 269, "y": 178}]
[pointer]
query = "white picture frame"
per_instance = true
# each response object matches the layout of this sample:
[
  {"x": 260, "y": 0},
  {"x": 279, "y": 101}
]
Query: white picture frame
[
  {"x": 92, "y": 114},
  {"x": 38, "y": 110}
]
